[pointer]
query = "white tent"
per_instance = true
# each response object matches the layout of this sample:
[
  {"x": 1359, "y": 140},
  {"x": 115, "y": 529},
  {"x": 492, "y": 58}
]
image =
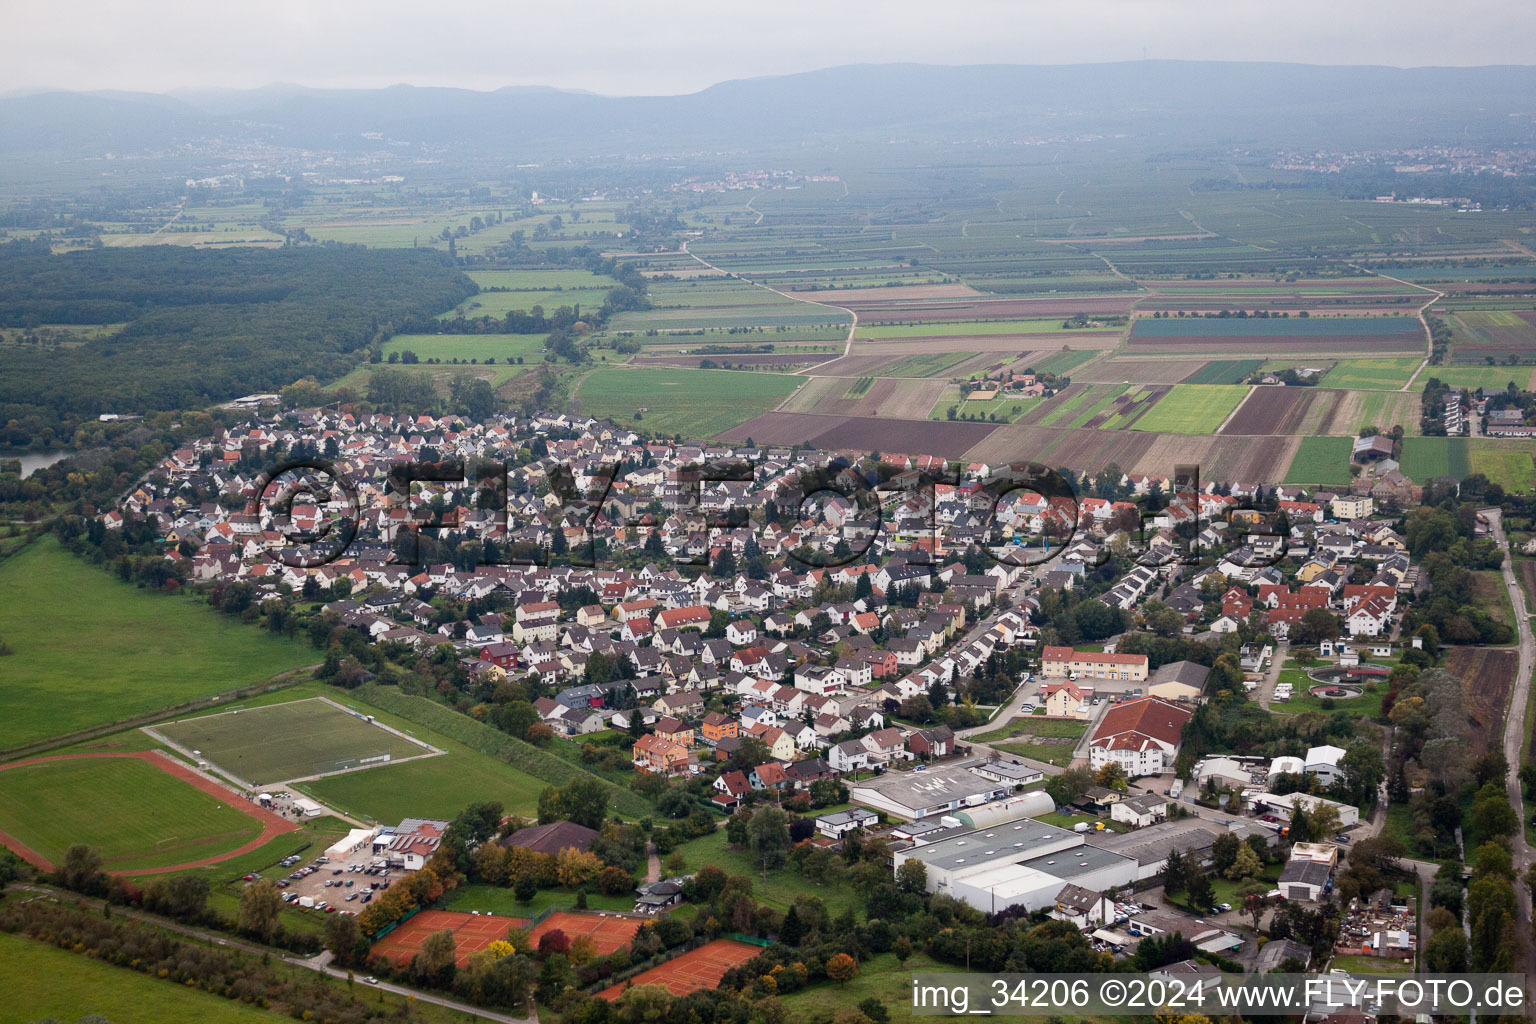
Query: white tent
[{"x": 347, "y": 846}]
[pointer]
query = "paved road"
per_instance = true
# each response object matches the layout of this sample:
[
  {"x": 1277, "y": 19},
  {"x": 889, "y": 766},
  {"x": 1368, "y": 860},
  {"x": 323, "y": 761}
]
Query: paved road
[
  {"x": 1514, "y": 734},
  {"x": 1265, "y": 692},
  {"x": 319, "y": 964}
]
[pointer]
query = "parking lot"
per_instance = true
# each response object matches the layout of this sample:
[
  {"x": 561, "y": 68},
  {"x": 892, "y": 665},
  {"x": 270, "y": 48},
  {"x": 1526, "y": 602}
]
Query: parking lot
[{"x": 344, "y": 883}]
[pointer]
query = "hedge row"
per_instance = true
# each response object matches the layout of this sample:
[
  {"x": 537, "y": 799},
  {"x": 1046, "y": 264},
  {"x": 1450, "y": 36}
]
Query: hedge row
[{"x": 493, "y": 742}]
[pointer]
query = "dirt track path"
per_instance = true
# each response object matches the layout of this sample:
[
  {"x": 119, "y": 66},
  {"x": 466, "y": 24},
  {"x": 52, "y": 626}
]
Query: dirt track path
[
  {"x": 272, "y": 825},
  {"x": 854, "y": 326}
]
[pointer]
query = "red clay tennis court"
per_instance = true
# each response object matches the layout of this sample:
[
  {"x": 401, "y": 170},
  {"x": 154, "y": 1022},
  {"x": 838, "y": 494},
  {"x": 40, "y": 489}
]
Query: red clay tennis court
[
  {"x": 472, "y": 933},
  {"x": 696, "y": 969},
  {"x": 609, "y": 934}
]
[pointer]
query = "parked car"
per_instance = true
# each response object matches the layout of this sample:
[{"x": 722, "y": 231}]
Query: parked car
[
  {"x": 1223, "y": 907},
  {"x": 370, "y": 980}
]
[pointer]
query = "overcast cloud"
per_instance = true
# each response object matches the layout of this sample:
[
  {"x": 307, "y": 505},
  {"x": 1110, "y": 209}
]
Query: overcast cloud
[{"x": 673, "y": 46}]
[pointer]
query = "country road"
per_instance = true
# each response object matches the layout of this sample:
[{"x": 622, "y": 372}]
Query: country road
[{"x": 1514, "y": 734}]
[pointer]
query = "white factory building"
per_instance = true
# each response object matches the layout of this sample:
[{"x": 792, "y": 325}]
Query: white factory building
[
  {"x": 924, "y": 794},
  {"x": 1017, "y": 863}
]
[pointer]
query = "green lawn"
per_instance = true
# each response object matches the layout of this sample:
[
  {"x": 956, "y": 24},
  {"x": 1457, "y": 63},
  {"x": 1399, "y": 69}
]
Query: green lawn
[
  {"x": 1192, "y": 409},
  {"x": 136, "y": 814},
  {"x": 90, "y": 650},
  {"x": 1511, "y": 468},
  {"x": 1032, "y": 726},
  {"x": 1006, "y": 408},
  {"x": 435, "y": 787},
  {"x": 1370, "y": 374},
  {"x": 286, "y": 741},
  {"x": 1321, "y": 460},
  {"x": 693, "y": 403},
  {"x": 881, "y": 977},
  {"x": 491, "y": 899},
  {"x": 42, "y": 981},
  {"x": 783, "y": 886},
  {"x": 464, "y": 347},
  {"x": 1371, "y": 965},
  {"x": 1051, "y": 753}
]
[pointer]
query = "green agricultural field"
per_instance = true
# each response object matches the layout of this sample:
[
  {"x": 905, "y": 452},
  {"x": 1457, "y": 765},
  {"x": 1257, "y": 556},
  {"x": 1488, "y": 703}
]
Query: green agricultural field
[
  {"x": 1425, "y": 458},
  {"x": 498, "y": 304},
  {"x": 1511, "y": 468},
  {"x": 1225, "y": 371},
  {"x": 1063, "y": 363},
  {"x": 78, "y": 986},
  {"x": 693, "y": 403},
  {"x": 1491, "y": 378},
  {"x": 930, "y": 364},
  {"x": 464, "y": 347},
  {"x": 287, "y": 741},
  {"x": 136, "y": 814},
  {"x": 540, "y": 280},
  {"x": 90, "y": 650},
  {"x": 1321, "y": 460},
  {"x": 1370, "y": 374},
  {"x": 1192, "y": 409},
  {"x": 434, "y": 787}
]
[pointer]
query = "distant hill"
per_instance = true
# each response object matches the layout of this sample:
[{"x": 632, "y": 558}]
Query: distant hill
[{"x": 1263, "y": 103}]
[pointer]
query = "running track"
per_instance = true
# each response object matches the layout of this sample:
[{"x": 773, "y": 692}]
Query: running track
[{"x": 273, "y": 825}]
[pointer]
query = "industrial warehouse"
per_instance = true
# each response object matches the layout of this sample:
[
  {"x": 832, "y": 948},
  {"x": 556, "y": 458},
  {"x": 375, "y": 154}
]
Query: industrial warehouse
[{"x": 1027, "y": 863}]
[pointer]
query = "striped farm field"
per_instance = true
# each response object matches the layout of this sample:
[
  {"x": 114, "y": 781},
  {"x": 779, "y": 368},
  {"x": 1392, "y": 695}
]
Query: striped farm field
[
  {"x": 1285, "y": 410},
  {"x": 1382, "y": 409},
  {"x": 1192, "y": 409},
  {"x": 1301, "y": 335},
  {"x": 1224, "y": 371}
]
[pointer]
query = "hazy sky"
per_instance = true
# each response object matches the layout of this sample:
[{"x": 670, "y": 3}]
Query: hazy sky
[{"x": 671, "y": 46}]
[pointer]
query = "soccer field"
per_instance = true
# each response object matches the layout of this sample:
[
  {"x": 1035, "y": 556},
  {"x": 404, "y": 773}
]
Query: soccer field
[{"x": 288, "y": 741}]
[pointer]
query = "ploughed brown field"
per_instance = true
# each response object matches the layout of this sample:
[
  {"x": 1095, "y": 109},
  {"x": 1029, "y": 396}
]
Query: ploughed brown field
[
  {"x": 1487, "y": 675},
  {"x": 1280, "y": 410}
]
